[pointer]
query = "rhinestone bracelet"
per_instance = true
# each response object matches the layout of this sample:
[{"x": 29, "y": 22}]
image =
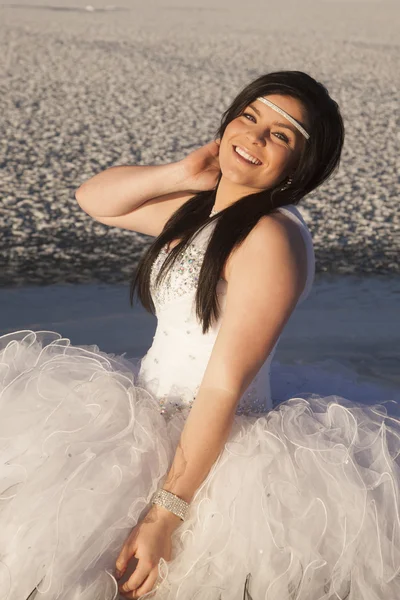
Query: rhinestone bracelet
[{"x": 173, "y": 503}]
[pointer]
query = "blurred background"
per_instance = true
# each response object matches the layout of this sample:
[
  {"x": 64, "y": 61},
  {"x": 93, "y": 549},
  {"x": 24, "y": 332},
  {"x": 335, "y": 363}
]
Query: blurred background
[{"x": 86, "y": 87}]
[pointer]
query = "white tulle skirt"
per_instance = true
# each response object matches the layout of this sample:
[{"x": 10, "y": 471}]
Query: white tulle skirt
[{"x": 303, "y": 502}]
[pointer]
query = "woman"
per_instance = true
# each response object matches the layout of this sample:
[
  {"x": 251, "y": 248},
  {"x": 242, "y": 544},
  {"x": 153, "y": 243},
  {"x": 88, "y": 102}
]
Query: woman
[{"x": 176, "y": 470}]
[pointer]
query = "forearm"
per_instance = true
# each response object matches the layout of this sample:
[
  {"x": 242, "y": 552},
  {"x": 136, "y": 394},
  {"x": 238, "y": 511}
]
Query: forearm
[
  {"x": 120, "y": 190},
  {"x": 203, "y": 437}
]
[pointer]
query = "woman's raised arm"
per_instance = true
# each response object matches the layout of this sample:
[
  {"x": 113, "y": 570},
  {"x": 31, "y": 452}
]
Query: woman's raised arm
[
  {"x": 143, "y": 198},
  {"x": 122, "y": 189}
]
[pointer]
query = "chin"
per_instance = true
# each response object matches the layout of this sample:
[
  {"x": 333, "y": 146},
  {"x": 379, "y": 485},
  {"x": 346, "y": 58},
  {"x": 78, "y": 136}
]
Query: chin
[
  {"x": 252, "y": 187},
  {"x": 234, "y": 175}
]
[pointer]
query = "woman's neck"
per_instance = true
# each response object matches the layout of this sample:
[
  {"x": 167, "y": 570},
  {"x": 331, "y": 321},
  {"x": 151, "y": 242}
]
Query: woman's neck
[{"x": 229, "y": 192}]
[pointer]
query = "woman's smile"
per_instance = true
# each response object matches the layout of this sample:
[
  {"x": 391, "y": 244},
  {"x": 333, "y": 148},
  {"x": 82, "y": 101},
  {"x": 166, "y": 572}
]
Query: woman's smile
[{"x": 242, "y": 156}]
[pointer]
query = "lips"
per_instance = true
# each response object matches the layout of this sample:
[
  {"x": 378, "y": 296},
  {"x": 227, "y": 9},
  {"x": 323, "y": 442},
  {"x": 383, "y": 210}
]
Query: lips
[{"x": 244, "y": 160}]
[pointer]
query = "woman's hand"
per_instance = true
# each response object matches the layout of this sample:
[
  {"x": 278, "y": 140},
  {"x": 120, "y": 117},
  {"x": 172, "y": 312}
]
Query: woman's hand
[
  {"x": 148, "y": 541},
  {"x": 202, "y": 167}
]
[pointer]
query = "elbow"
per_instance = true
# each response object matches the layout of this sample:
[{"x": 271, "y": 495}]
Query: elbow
[
  {"x": 78, "y": 193},
  {"x": 79, "y": 197}
]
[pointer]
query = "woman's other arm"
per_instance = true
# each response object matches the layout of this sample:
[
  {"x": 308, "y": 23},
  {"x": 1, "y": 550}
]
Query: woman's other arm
[{"x": 266, "y": 276}]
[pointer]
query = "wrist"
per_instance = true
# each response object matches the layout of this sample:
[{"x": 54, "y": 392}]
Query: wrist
[
  {"x": 177, "y": 176},
  {"x": 185, "y": 177},
  {"x": 165, "y": 516}
]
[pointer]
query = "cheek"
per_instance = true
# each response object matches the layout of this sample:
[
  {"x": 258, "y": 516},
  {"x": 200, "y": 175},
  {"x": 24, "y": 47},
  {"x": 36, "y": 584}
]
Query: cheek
[
  {"x": 280, "y": 157},
  {"x": 235, "y": 128},
  {"x": 226, "y": 152}
]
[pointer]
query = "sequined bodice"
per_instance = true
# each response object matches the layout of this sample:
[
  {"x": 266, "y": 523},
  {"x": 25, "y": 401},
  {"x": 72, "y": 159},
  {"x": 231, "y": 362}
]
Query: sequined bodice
[
  {"x": 180, "y": 280},
  {"x": 173, "y": 368}
]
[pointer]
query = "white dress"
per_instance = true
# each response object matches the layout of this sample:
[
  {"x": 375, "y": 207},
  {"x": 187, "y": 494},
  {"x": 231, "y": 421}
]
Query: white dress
[{"x": 301, "y": 504}]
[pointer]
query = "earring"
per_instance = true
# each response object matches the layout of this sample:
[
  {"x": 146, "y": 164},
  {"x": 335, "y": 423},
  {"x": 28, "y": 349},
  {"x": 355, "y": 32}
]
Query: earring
[{"x": 287, "y": 184}]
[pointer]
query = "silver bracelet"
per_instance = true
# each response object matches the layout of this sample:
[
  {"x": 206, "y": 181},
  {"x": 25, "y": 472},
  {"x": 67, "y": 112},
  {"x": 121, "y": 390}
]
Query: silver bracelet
[{"x": 172, "y": 502}]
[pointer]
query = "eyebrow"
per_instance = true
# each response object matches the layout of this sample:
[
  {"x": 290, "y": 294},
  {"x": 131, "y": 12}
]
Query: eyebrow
[{"x": 279, "y": 123}]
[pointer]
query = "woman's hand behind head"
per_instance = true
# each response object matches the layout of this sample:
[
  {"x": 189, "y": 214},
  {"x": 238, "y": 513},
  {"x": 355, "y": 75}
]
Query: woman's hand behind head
[{"x": 202, "y": 167}]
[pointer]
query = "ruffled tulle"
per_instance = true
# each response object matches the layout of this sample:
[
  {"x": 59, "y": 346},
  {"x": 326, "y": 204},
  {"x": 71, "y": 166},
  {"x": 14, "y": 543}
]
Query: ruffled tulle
[
  {"x": 82, "y": 450},
  {"x": 302, "y": 503}
]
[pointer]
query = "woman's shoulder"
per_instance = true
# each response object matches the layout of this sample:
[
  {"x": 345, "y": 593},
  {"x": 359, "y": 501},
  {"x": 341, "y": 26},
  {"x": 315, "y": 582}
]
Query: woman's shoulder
[
  {"x": 286, "y": 221},
  {"x": 292, "y": 221},
  {"x": 294, "y": 226},
  {"x": 272, "y": 233}
]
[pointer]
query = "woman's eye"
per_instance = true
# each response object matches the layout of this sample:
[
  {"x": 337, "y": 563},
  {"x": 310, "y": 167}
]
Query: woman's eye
[
  {"x": 248, "y": 115},
  {"x": 284, "y": 137}
]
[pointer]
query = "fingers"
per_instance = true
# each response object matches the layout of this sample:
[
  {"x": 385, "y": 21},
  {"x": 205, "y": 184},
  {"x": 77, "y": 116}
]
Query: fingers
[
  {"x": 147, "y": 586},
  {"x": 218, "y": 141},
  {"x": 138, "y": 577},
  {"x": 122, "y": 560}
]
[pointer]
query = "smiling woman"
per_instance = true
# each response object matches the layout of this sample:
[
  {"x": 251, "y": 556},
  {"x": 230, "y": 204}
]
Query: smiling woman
[{"x": 178, "y": 476}]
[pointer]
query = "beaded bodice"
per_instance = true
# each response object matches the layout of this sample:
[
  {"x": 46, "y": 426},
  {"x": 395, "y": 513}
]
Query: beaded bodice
[
  {"x": 180, "y": 280},
  {"x": 173, "y": 367}
]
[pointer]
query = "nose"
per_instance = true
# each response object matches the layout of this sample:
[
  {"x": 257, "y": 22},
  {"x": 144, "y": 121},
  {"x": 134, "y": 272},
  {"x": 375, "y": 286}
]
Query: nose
[{"x": 257, "y": 136}]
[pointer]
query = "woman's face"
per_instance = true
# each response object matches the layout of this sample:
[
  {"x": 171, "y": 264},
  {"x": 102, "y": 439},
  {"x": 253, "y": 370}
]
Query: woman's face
[{"x": 277, "y": 147}]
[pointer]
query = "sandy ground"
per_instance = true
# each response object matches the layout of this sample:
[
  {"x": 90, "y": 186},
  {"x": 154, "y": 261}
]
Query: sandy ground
[{"x": 146, "y": 83}]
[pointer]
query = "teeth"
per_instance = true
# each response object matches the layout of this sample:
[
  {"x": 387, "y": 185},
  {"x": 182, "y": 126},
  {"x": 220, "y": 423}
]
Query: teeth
[{"x": 247, "y": 156}]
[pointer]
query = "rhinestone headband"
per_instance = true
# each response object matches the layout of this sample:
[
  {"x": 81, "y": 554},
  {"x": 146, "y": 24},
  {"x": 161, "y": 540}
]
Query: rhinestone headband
[{"x": 286, "y": 115}]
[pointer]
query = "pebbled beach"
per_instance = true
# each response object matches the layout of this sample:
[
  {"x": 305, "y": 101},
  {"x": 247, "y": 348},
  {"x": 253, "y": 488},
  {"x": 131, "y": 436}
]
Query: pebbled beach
[{"x": 86, "y": 88}]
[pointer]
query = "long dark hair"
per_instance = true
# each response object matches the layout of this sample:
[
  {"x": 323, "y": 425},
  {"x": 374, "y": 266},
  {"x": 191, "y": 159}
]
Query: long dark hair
[{"x": 319, "y": 159}]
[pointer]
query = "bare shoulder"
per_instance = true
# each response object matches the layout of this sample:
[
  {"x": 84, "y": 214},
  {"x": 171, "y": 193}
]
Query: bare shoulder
[
  {"x": 275, "y": 237},
  {"x": 286, "y": 226}
]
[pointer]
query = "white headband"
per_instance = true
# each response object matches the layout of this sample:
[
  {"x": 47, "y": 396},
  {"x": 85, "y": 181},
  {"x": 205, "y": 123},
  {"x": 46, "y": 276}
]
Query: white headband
[{"x": 286, "y": 115}]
